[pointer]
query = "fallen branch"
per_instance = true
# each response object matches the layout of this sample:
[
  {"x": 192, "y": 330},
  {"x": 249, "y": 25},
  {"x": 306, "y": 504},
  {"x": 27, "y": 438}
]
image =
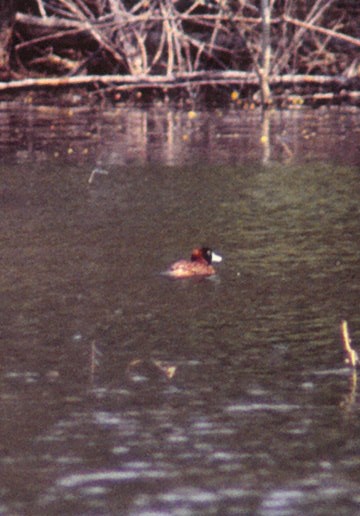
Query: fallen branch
[
  {"x": 50, "y": 22},
  {"x": 177, "y": 80},
  {"x": 55, "y": 21}
]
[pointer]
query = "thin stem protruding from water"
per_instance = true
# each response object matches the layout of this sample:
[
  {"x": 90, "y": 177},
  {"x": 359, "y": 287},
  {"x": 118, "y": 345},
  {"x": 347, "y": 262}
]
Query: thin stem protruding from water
[{"x": 352, "y": 357}]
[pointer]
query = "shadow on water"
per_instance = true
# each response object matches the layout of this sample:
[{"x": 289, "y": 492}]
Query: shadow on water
[{"x": 260, "y": 415}]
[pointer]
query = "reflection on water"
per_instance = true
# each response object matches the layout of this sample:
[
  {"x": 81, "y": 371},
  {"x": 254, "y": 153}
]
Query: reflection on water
[
  {"x": 123, "y": 392},
  {"x": 161, "y": 135}
]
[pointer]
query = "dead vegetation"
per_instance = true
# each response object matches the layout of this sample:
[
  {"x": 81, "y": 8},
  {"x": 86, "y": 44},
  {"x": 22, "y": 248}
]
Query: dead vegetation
[{"x": 189, "y": 44}]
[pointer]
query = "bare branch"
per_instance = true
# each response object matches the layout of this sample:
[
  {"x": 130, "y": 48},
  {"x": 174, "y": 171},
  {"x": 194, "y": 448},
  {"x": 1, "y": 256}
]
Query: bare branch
[{"x": 323, "y": 30}]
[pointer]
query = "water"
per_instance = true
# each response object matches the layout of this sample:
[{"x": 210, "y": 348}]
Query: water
[{"x": 261, "y": 415}]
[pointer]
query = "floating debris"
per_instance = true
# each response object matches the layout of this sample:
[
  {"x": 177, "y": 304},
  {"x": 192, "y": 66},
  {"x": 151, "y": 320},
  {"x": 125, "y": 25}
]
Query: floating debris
[
  {"x": 168, "y": 370},
  {"x": 99, "y": 171},
  {"x": 150, "y": 368}
]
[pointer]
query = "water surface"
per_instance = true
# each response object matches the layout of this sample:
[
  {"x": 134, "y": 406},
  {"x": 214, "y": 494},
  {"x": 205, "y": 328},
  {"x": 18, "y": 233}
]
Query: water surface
[{"x": 261, "y": 416}]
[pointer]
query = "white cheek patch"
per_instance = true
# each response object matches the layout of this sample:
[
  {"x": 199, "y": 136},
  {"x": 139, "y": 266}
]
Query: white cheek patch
[{"x": 215, "y": 258}]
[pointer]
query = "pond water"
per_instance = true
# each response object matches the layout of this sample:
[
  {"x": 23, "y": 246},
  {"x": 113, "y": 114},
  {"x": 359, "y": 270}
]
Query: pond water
[{"x": 261, "y": 415}]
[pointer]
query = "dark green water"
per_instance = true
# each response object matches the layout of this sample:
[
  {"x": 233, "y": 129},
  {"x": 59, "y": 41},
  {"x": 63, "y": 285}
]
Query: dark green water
[{"x": 261, "y": 416}]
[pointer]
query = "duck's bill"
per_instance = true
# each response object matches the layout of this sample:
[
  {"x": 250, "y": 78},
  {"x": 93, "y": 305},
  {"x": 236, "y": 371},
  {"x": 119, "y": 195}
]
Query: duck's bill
[{"x": 215, "y": 258}]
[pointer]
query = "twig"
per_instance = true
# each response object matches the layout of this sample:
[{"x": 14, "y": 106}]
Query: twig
[
  {"x": 94, "y": 362},
  {"x": 352, "y": 356}
]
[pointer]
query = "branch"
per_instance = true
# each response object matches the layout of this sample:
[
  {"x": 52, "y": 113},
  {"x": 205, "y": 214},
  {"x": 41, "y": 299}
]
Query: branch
[
  {"x": 292, "y": 48},
  {"x": 322, "y": 30},
  {"x": 176, "y": 80},
  {"x": 264, "y": 68},
  {"x": 41, "y": 9}
]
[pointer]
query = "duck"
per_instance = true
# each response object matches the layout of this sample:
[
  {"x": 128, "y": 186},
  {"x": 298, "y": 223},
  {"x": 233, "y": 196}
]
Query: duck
[{"x": 200, "y": 264}]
